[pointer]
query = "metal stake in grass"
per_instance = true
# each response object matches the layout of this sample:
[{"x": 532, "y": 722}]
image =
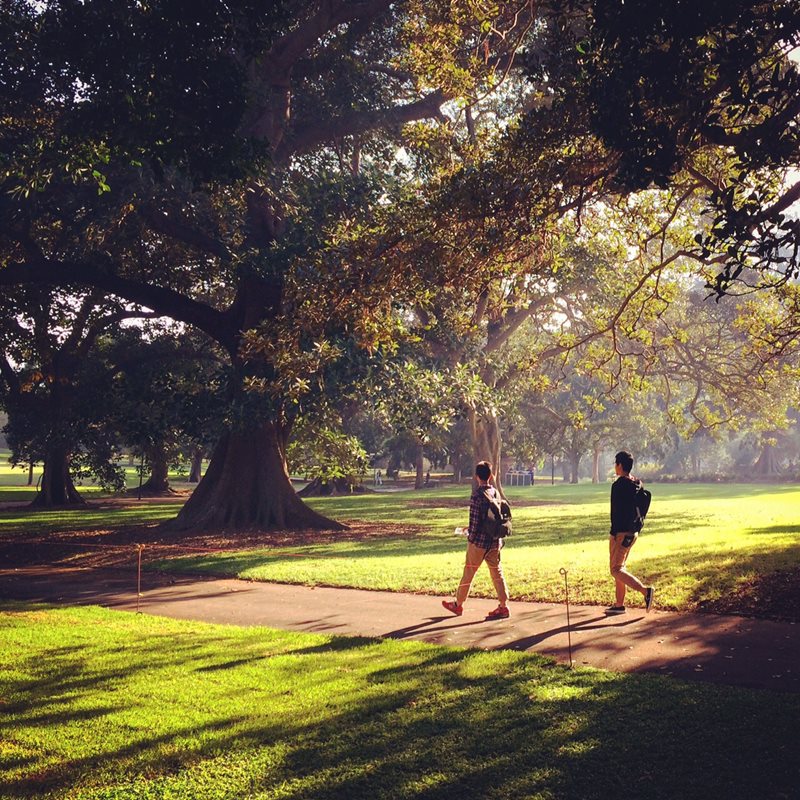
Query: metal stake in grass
[{"x": 563, "y": 572}]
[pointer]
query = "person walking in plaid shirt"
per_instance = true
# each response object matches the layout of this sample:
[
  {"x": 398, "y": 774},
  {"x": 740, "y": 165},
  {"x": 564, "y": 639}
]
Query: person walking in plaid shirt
[{"x": 481, "y": 546}]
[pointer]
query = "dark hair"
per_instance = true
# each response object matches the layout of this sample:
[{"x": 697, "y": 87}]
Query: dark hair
[
  {"x": 624, "y": 459},
  {"x": 483, "y": 470}
]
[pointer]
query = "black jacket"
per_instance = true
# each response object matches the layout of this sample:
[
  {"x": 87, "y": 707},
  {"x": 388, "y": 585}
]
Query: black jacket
[{"x": 624, "y": 516}]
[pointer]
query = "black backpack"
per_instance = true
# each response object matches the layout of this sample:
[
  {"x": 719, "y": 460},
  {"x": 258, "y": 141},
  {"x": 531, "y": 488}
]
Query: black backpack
[
  {"x": 497, "y": 522},
  {"x": 642, "y": 501}
]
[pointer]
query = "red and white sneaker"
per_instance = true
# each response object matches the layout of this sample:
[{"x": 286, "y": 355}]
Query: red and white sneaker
[
  {"x": 453, "y": 607},
  {"x": 501, "y": 612}
]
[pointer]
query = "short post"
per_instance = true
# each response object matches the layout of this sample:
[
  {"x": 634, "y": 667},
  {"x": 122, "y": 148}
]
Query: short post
[
  {"x": 563, "y": 572},
  {"x": 139, "y": 548}
]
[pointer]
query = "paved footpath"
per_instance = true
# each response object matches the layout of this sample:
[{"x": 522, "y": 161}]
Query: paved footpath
[{"x": 719, "y": 649}]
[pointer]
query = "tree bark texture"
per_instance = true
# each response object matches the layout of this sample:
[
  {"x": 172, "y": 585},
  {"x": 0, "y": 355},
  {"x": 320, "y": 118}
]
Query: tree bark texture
[
  {"x": 574, "y": 466},
  {"x": 57, "y": 489},
  {"x": 486, "y": 441},
  {"x": 596, "y": 464},
  {"x": 158, "y": 481},
  {"x": 195, "y": 472},
  {"x": 247, "y": 485},
  {"x": 419, "y": 478},
  {"x": 767, "y": 465}
]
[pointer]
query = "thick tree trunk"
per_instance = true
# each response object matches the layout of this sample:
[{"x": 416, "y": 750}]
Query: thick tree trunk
[
  {"x": 158, "y": 482},
  {"x": 596, "y": 464},
  {"x": 419, "y": 478},
  {"x": 455, "y": 458},
  {"x": 767, "y": 464},
  {"x": 486, "y": 440},
  {"x": 247, "y": 485},
  {"x": 574, "y": 466},
  {"x": 197, "y": 465},
  {"x": 57, "y": 489}
]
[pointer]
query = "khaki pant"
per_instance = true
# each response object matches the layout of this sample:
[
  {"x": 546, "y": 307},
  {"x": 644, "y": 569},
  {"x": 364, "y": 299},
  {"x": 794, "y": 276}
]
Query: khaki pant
[
  {"x": 475, "y": 557},
  {"x": 618, "y": 558}
]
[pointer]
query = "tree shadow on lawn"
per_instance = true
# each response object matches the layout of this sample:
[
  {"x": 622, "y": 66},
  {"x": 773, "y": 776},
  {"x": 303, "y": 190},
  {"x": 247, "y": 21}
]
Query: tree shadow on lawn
[
  {"x": 408, "y": 721},
  {"x": 354, "y": 548},
  {"x": 763, "y": 584}
]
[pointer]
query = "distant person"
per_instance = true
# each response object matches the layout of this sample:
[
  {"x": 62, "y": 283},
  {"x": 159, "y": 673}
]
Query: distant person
[
  {"x": 378, "y": 478},
  {"x": 428, "y": 478},
  {"x": 481, "y": 546},
  {"x": 625, "y": 525}
]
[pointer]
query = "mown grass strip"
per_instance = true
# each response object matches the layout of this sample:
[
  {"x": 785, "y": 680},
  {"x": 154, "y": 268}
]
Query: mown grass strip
[{"x": 100, "y": 704}]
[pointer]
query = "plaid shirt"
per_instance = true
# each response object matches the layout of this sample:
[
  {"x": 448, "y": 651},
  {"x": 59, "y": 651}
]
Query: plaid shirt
[{"x": 478, "y": 508}]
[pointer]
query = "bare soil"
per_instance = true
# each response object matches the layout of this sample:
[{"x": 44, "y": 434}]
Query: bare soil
[{"x": 119, "y": 546}]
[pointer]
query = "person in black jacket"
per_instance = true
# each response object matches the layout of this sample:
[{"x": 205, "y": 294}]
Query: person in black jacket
[{"x": 625, "y": 526}]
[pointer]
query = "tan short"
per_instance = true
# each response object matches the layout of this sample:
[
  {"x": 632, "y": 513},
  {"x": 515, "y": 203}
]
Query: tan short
[{"x": 618, "y": 553}]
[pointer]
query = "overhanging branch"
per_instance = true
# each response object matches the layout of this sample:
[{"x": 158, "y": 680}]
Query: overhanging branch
[
  {"x": 165, "y": 301},
  {"x": 317, "y": 133}
]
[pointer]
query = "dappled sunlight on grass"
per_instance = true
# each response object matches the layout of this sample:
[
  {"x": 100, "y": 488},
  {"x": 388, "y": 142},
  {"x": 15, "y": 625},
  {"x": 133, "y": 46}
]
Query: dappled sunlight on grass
[
  {"x": 701, "y": 546},
  {"x": 104, "y": 704},
  {"x": 23, "y": 521},
  {"x": 701, "y": 543}
]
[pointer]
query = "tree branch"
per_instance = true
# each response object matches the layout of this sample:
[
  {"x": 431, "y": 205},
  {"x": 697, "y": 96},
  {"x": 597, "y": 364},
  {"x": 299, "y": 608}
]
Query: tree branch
[
  {"x": 270, "y": 73},
  {"x": 501, "y": 332},
  {"x": 329, "y": 15},
  {"x": 177, "y": 229},
  {"x": 318, "y": 132},
  {"x": 90, "y": 302},
  {"x": 219, "y": 325}
]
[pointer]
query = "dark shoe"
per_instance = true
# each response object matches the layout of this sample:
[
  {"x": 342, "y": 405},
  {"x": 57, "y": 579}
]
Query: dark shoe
[
  {"x": 453, "y": 607},
  {"x": 648, "y": 598},
  {"x": 501, "y": 612},
  {"x": 611, "y": 610}
]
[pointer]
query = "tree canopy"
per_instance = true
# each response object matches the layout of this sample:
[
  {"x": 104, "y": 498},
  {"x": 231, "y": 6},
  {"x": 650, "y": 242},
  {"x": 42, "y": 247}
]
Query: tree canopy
[{"x": 292, "y": 178}]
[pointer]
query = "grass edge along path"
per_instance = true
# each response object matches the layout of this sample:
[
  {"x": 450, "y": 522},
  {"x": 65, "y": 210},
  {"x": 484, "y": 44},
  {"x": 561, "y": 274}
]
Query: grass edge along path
[
  {"x": 722, "y": 548},
  {"x": 100, "y": 704},
  {"x": 729, "y": 549}
]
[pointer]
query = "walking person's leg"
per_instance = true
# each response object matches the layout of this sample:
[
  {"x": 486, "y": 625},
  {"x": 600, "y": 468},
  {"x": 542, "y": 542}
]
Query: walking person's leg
[
  {"x": 618, "y": 558},
  {"x": 495, "y": 566},
  {"x": 475, "y": 556},
  {"x": 473, "y": 560}
]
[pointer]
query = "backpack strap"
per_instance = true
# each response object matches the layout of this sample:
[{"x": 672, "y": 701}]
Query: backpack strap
[{"x": 494, "y": 505}]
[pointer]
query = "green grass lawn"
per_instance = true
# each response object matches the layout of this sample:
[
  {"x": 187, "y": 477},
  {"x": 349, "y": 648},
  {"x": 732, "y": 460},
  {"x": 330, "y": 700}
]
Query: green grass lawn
[
  {"x": 100, "y": 705},
  {"x": 702, "y": 545},
  {"x": 22, "y": 522},
  {"x": 14, "y": 481},
  {"x": 719, "y": 547}
]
